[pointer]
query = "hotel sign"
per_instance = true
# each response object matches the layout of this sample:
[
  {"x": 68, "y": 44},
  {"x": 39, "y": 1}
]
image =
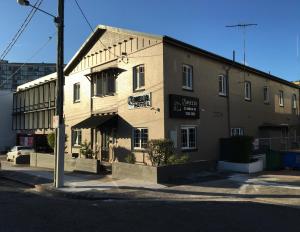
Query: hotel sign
[
  {"x": 139, "y": 101},
  {"x": 183, "y": 107}
]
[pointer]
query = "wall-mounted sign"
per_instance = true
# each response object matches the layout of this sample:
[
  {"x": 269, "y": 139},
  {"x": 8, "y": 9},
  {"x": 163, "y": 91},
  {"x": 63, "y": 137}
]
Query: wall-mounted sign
[
  {"x": 183, "y": 106},
  {"x": 139, "y": 101}
]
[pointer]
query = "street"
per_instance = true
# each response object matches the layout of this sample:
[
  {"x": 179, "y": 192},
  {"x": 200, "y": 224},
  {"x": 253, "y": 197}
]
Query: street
[{"x": 23, "y": 209}]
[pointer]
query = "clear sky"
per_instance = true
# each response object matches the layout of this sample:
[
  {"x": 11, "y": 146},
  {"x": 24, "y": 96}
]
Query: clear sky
[{"x": 271, "y": 46}]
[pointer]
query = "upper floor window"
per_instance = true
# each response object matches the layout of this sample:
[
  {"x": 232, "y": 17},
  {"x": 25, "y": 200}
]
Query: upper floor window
[
  {"x": 266, "y": 94},
  {"x": 187, "y": 77},
  {"x": 139, "y": 77},
  {"x": 188, "y": 137},
  {"x": 105, "y": 84},
  {"x": 294, "y": 101},
  {"x": 222, "y": 85},
  {"x": 76, "y": 92},
  {"x": 140, "y": 138},
  {"x": 237, "y": 131},
  {"x": 247, "y": 90},
  {"x": 281, "y": 98}
]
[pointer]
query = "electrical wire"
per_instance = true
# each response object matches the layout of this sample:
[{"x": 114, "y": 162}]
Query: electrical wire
[
  {"x": 91, "y": 28},
  {"x": 30, "y": 58},
  {"x": 21, "y": 30}
]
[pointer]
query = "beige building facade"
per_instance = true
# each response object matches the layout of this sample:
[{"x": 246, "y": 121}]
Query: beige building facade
[{"x": 123, "y": 88}]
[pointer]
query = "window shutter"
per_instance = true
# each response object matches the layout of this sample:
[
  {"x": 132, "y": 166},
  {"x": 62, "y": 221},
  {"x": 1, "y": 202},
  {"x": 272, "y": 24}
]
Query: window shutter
[{"x": 134, "y": 78}]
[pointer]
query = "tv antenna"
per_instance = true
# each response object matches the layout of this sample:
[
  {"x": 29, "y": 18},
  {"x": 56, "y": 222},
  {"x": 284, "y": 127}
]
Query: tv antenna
[{"x": 243, "y": 26}]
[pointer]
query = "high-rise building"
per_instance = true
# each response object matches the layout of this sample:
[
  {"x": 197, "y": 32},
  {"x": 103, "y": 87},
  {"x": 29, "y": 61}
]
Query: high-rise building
[{"x": 14, "y": 74}]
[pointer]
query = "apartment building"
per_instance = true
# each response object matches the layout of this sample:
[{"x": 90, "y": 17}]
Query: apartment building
[
  {"x": 7, "y": 135},
  {"x": 33, "y": 110},
  {"x": 15, "y": 74},
  {"x": 129, "y": 87},
  {"x": 123, "y": 88}
]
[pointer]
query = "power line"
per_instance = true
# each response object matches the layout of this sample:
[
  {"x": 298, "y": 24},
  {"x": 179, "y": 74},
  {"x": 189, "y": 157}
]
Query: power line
[
  {"x": 90, "y": 26},
  {"x": 21, "y": 30},
  {"x": 34, "y": 54}
]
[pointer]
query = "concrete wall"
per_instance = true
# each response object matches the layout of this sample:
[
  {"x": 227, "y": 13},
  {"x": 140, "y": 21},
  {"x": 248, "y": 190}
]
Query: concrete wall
[
  {"x": 162, "y": 174},
  {"x": 7, "y": 135}
]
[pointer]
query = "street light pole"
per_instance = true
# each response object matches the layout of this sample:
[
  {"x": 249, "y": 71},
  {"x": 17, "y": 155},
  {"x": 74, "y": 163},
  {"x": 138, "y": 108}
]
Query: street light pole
[{"x": 60, "y": 130}]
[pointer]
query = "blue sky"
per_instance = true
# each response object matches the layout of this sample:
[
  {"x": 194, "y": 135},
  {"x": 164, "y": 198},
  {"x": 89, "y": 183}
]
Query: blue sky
[{"x": 271, "y": 46}]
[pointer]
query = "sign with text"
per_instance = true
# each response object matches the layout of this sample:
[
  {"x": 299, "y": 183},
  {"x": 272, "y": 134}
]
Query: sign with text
[
  {"x": 183, "y": 106},
  {"x": 139, "y": 101}
]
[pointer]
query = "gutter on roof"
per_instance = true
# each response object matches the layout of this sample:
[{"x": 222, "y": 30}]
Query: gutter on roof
[{"x": 178, "y": 43}]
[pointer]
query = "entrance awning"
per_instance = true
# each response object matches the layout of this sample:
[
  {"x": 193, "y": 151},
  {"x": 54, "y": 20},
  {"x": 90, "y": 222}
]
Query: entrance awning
[{"x": 94, "y": 121}]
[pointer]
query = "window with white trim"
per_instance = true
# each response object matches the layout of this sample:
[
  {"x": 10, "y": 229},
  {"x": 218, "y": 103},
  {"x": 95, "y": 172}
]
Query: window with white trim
[
  {"x": 139, "y": 77},
  {"x": 266, "y": 94},
  {"x": 76, "y": 92},
  {"x": 294, "y": 101},
  {"x": 281, "y": 98},
  {"x": 247, "y": 90},
  {"x": 188, "y": 137},
  {"x": 237, "y": 131},
  {"x": 105, "y": 84},
  {"x": 140, "y": 138},
  {"x": 76, "y": 137},
  {"x": 222, "y": 85},
  {"x": 187, "y": 77}
]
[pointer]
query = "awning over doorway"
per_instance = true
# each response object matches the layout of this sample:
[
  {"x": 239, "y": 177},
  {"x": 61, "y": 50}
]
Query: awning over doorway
[{"x": 94, "y": 121}]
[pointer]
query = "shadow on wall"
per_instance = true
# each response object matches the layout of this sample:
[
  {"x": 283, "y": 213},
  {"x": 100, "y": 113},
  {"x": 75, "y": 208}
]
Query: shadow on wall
[{"x": 121, "y": 153}]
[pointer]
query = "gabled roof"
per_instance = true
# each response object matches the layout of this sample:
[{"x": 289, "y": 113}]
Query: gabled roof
[
  {"x": 92, "y": 39},
  {"x": 100, "y": 29}
]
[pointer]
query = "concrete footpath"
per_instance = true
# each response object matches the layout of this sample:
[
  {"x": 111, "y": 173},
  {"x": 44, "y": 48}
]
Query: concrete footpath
[{"x": 280, "y": 188}]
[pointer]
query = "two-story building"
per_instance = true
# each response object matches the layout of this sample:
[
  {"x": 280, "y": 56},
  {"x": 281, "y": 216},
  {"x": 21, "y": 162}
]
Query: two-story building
[{"x": 123, "y": 88}]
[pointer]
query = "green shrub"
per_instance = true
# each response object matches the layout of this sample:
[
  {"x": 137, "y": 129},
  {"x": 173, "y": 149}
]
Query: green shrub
[
  {"x": 236, "y": 149},
  {"x": 86, "y": 150},
  {"x": 159, "y": 151},
  {"x": 130, "y": 158},
  {"x": 51, "y": 140},
  {"x": 178, "y": 159}
]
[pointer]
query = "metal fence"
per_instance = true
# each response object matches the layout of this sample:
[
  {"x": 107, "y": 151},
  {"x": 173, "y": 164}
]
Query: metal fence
[{"x": 277, "y": 143}]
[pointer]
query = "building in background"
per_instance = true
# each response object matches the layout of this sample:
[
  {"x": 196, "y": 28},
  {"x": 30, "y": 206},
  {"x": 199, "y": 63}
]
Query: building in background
[
  {"x": 7, "y": 135},
  {"x": 15, "y": 74},
  {"x": 33, "y": 110}
]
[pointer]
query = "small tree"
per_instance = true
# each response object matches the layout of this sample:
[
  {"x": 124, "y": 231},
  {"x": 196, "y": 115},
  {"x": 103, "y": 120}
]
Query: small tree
[
  {"x": 51, "y": 140},
  {"x": 159, "y": 151}
]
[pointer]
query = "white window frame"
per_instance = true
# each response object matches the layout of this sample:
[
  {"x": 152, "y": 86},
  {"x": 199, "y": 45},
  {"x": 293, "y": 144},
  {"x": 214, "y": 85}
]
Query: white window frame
[
  {"x": 187, "y": 77},
  {"x": 247, "y": 88},
  {"x": 237, "y": 131},
  {"x": 76, "y": 134},
  {"x": 76, "y": 95},
  {"x": 187, "y": 128},
  {"x": 266, "y": 94},
  {"x": 138, "y": 75},
  {"x": 281, "y": 98},
  {"x": 140, "y": 145},
  {"x": 223, "y": 80},
  {"x": 294, "y": 101}
]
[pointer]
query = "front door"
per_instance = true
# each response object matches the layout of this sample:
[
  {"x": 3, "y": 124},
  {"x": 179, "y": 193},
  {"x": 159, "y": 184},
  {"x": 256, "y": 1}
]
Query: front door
[{"x": 108, "y": 138}]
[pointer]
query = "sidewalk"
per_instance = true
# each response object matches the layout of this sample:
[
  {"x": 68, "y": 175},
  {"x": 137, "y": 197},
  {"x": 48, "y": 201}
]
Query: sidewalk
[{"x": 77, "y": 185}]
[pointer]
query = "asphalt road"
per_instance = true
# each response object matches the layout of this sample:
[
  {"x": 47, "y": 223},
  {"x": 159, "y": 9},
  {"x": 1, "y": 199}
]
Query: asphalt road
[{"x": 23, "y": 210}]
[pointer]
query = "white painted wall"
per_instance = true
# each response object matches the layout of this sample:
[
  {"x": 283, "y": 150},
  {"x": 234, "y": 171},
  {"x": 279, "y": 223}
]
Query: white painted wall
[{"x": 7, "y": 135}]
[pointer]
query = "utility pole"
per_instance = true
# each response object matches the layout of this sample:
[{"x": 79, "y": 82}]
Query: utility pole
[
  {"x": 60, "y": 131},
  {"x": 243, "y": 26},
  {"x": 59, "y": 150}
]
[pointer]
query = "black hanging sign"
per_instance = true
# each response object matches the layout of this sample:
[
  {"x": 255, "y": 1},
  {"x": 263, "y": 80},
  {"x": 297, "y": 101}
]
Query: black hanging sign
[{"x": 183, "y": 107}]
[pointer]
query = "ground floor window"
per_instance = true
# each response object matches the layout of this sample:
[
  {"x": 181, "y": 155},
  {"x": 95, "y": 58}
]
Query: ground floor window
[
  {"x": 76, "y": 137},
  {"x": 140, "y": 138},
  {"x": 188, "y": 137},
  {"x": 237, "y": 131}
]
